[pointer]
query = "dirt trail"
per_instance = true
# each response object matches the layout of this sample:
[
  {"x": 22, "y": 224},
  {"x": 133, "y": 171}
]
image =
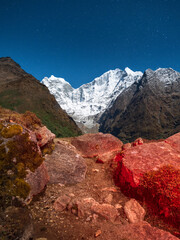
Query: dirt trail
[{"x": 54, "y": 225}]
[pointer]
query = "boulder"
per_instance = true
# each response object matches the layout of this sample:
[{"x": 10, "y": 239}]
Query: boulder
[
  {"x": 21, "y": 161},
  {"x": 134, "y": 211},
  {"x": 61, "y": 203},
  {"x": 153, "y": 169},
  {"x": 141, "y": 159},
  {"x": 37, "y": 181},
  {"x": 97, "y": 145},
  {"x": 65, "y": 165},
  {"x": 105, "y": 210},
  {"x": 44, "y": 136}
]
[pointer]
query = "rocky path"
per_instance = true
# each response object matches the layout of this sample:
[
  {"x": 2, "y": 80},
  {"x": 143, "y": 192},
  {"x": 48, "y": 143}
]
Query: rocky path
[{"x": 94, "y": 208}]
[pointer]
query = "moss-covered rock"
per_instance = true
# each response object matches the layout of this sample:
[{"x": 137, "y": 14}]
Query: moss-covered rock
[
  {"x": 18, "y": 154},
  {"x": 11, "y": 130}
]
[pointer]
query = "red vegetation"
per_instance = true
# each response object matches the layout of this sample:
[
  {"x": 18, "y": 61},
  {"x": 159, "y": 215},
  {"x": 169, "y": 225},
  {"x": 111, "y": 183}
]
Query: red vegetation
[{"x": 159, "y": 188}]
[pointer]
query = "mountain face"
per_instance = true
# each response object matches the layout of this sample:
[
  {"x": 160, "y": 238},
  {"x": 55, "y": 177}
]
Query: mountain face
[
  {"x": 20, "y": 91},
  {"x": 149, "y": 108},
  {"x": 90, "y": 100}
]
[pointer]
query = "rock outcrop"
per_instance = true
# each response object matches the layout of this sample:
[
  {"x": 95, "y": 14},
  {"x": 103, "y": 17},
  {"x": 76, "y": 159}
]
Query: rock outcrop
[
  {"x": 137, "y": 231},
  {"x": 22, "y": 142},
  {"x": 37, "y": 181},
  {"x": 153, "y": 171},
  {"x": 102, "y": 146},
  {"x": 65, "y": 165}
]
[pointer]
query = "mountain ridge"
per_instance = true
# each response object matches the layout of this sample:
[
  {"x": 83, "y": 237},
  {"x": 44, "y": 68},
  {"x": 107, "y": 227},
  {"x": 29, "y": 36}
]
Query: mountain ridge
[
  {"x": 21, "y": 91},
  {"x": 85, "y": 103},
  {"x": 148, "y": 109}
]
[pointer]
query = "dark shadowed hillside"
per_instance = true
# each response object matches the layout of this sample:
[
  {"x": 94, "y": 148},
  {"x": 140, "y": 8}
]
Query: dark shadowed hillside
[
  {"x": 148, "y": 109},
  {"x": 20, "y": 91}
]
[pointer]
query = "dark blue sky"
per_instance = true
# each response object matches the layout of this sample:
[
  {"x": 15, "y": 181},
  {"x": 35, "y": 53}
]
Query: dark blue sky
[{"x": 81, "y": 39}]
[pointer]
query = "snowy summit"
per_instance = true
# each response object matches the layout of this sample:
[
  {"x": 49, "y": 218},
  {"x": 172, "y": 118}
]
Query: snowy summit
[{"x": 89, "y": 100}]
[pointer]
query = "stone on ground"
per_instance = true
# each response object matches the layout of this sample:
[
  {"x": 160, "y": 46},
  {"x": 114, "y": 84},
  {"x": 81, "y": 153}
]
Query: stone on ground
[
  {"x": 65, "y": 165},
  {"x": 134, "y": 211},
  {"x": 97, "y": 145}
]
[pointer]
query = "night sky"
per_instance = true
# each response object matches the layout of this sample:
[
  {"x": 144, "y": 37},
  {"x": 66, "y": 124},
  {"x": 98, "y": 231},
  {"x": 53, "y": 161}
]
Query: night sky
[{"x": 81, "y": 39}]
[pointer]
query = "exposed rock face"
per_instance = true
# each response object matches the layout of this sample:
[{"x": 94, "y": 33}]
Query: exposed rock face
[
  {"x": 44, "y": 136},
  {"x": 37, "y": 180},
  {"x": 21, "y": 92},
  {"x": 138, "y": 231},
  {"x": 134, "y": 212},
  {"x": 97, "y": 145},
  {"x": 159, "y": 164},
  {"x": 22, "y": 141},
  {"x": 148, "y": 108},
  {"x": 65, "y": 165}
]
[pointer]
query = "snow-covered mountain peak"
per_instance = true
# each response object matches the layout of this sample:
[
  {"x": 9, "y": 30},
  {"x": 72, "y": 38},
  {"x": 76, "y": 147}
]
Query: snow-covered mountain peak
[
  {"x": 165, "y": 75},
  {"x": 132, "y": 73},
  {"x": 53, "y": 79},
  {"x": 85, "y": 102}
]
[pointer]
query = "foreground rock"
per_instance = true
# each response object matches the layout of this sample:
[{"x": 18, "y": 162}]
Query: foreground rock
[
  {"x": 65, "y": 165},
  {"x": 153, "y": 169},
  {"x": 135, "y": 231},
  {"x": 23, "y": 142},
  {"x": 16, "y": 223},
  {"x": 92, "y": 211},
  {"x": 98, "y": 145},
  {"x": 134, "y": 211},
  {"x": 37, "y": 181},
  {"x": 86, "y": 207},
  {"x": 44, "y": 136}
]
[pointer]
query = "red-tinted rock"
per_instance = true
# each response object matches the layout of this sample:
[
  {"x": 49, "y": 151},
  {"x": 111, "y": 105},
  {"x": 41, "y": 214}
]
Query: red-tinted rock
[
  {"x": 88, "y": 206},
  {"x": 105, "y": 210},
  {"x": 37, "y": 180},
  {"x": 134, "y": 211},
  {"x": 126, "y": 146},
  {"x": 151, "y": 158},
  {"x": 138, "y": 141},
  {"x": 61, "y": 203},
  {"x": 65, "y": 165},
  {"x": 44, "y": 136},
  {"x": 174, "y": 141},
  {"x": 99, "y": 144},
  {"x": 135, "y": 231}
]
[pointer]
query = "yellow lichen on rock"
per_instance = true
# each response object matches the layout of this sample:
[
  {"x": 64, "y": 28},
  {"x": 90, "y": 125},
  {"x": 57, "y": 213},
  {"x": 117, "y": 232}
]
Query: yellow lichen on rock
[{"x": 11, "y": 130}]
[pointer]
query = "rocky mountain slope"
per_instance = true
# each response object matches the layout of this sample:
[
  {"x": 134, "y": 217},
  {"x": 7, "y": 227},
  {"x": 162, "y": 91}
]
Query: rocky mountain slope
[
  {"x": 20, "y": 91},
  {"x": 90, "y": 100},
  {"x": 148, "y": 108}
]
